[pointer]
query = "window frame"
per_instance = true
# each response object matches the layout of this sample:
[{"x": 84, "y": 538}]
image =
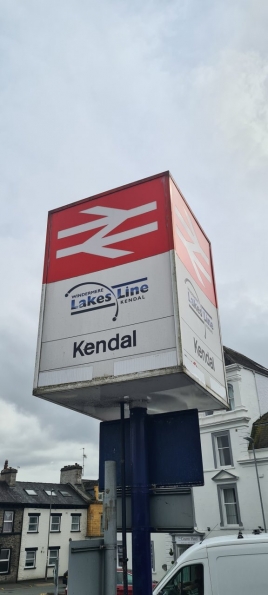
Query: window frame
[
  {"x": 223, "y": 515},
  {"x": 7, "y": 549},
  {"x": 231, "y": 399},
  {"x": 30, "y": 551},
  {"x": 35, "y": 515},
  {"x": 215, "y": 436},
  {"x": 53, "y": 549},
  {"x": 7, "y": 521},
  {"x": 30, "y": 492},
  {"x": 73, "y": 515},
  {"x": 53, "y": 516},
  {"x": 119, "y": 554}
]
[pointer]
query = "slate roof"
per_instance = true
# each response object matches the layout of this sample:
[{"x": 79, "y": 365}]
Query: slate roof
[
  {"x": 17, "y": 495},
  {"x": 234, "y": 357}
]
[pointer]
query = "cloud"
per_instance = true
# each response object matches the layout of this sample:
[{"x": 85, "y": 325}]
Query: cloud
[
  {"x": 38, "y": 449},
  {"x": 97, "y": 95}
]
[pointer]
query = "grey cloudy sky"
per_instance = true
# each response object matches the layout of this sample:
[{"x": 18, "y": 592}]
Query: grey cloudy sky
[{"x": 96, "y": 95}]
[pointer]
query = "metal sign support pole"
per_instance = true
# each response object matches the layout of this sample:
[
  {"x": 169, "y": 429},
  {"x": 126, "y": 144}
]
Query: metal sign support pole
[
  {"x": 109, "y": 532},
  {"x": 123, "y": 482},
  {"x": 56, "y": 577},
  {"x": 141, "y": 539}
]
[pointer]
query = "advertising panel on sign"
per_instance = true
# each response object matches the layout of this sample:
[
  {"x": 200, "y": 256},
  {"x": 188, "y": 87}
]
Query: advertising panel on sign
[{"x": 128, "y": 306}]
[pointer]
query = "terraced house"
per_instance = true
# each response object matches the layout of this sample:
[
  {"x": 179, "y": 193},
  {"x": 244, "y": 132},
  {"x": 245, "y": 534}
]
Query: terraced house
[{"x": 37, "y": 521}]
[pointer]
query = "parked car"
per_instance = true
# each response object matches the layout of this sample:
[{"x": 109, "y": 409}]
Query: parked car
[{"x": 120, "y": 587}]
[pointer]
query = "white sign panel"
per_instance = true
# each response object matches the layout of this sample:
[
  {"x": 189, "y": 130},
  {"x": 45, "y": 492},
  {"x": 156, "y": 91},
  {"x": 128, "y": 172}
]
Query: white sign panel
[{"x": 110, "y": 314}]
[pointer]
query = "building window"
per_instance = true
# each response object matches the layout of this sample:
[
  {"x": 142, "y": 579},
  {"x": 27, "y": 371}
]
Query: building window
[
  {"x": 33, "y": 523},
  {"x": 53, "y": 557},
  {"x": 8, "y": 521},
  {"x": 120, "y": 555},
  {"x": 222, "y": 449},
  {"x": 4, "y": 561},
  {"x": 75, "y": 526},
  {"x": 229, "y": 506},
  {"x": 51, "y": 492},
  {"x": 31, "y": 492},
  {"x": 55, "y": 523},
  {"x": 231, "y": 395},
  {"x": 30, "y": 557}
]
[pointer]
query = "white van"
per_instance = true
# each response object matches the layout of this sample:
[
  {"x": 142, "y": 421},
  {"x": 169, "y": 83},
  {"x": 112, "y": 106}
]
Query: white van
[{"x": 220, "y": 566}]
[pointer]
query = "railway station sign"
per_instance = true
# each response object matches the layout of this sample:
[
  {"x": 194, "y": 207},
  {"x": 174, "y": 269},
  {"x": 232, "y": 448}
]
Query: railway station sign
[{"x": 129, "y": 306}]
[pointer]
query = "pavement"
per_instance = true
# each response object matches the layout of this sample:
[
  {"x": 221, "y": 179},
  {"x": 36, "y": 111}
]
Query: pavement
[{"x": 39, "y": 587}]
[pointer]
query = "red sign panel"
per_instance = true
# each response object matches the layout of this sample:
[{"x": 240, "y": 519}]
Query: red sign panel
[
  {"x": 109, "y": 230},
  {"x": 192, "y": 246}
]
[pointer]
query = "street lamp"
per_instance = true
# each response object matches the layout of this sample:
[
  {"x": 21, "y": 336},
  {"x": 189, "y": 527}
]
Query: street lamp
[{"x": 251, "y": 441}]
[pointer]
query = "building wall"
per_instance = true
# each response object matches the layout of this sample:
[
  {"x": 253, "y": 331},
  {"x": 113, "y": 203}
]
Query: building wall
[
  {"x": 40, "y": 540},
  {"x": 249, "y": 394},
  {"x": 11, "y": 541},
  {"x": 242, "y": 473},
  {"x": 94, "y": 517}
]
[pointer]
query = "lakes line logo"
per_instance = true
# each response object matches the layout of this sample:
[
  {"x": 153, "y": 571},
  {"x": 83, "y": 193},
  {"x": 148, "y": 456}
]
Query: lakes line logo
[
  {"x": 196, "y": 306},
  {"x": 96, "y": 296}
]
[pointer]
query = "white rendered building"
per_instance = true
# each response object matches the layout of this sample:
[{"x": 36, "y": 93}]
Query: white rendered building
[
  {"x": 230, "y": 499},
  {"x": 56, "y": 515}
]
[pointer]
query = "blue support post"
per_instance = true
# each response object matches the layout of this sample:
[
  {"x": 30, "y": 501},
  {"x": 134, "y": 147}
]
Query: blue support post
[{"x": 141, "y": 539}]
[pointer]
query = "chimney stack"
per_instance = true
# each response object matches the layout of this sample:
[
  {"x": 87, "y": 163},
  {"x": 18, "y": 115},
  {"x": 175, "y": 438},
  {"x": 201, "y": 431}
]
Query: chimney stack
[
  {"x": 8, "y": 474},
  {"x": 71, "y": 474}
]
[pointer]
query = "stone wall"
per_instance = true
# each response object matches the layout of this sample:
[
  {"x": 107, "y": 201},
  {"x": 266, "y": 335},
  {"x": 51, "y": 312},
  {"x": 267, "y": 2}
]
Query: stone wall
[{"x": 11, "y": 541}]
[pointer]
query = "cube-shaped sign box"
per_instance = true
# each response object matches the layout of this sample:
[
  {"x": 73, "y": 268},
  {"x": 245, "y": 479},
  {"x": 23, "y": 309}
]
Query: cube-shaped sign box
[{"x": 129, "y": 306}]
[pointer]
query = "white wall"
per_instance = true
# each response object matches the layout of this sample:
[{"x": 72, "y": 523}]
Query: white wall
[
  {"x": 40, "y": 540},
  {"x": 251, "y": 396}
]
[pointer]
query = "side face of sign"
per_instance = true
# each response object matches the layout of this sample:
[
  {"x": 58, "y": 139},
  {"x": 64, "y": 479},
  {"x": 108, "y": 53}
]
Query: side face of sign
[
  {"x": 108, "y": 306},
  {"x": 199, "y": 322}
]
